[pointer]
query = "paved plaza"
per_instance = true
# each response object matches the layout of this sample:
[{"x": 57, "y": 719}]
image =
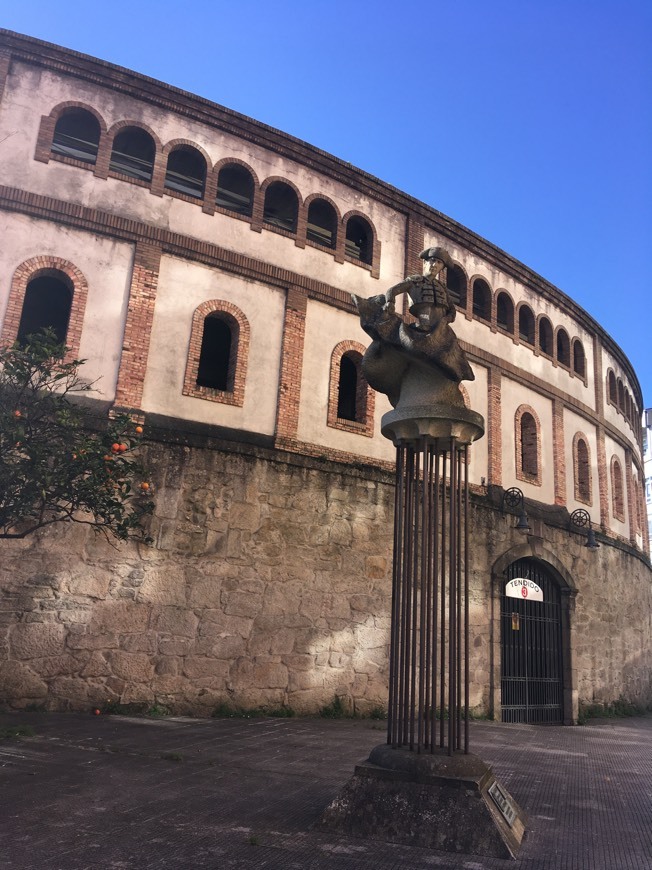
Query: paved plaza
[{"x": 120, "y": 792}]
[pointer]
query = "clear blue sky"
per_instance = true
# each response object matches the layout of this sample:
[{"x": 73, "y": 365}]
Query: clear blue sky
[{"x": 529, "y": 121}]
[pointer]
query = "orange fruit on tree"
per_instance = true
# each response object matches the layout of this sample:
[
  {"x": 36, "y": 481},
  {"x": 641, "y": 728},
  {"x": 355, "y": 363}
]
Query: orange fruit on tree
[
  {"x": 115, "y": 448},
  {"x": 144, "y": 486},
  {"x": 123, "y": 447},
  {"x": 17, "y": 414},
  {"x": 139, "y": 430}
]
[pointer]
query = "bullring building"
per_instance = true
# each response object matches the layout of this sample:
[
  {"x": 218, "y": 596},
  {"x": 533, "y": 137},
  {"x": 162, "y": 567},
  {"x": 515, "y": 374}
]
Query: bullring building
[{"x": 202, "y": 264}]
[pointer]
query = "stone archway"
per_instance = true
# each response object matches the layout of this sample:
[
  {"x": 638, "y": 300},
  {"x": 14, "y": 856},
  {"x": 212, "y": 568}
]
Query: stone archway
[{"x": 531, "y": 667}]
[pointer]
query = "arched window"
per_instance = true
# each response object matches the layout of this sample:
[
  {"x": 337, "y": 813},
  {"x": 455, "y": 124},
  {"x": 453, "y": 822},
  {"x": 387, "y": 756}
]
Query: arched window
[
  {"x": 235, "y": 189},
  {"x": 481, "y": 300},
  {"x": 621, "y": 395},
  {"x": 526, "y": 324},
  {"x": 545, "y": 336},
  {"x": 505, "y": 312},
  {"x": 617, "y": 499},
  {"x": 347, "y": 388},
  {"x": 613, "y": 394},
  {"x": 359, "y": 242},
  {"x": 217, "y": 355},
  {"x": 322, "y": 223},
  {"x": 216, "y": 365},
  {"x": 281, "y": 206},
  {"x": 528, "y": 445},
  {"x": 351, "y": 400},
  {"x": 456, "y": 285},
  {"x": 579, "y": 360},
  {"x": 186, "y": 172},
  {"x": 582, "y": 467},
  {"x": 47, "y": 305},
  {"x": 77, "y": 135},
  {"x": 133, "y": 154},
  {"x": 563, "y": 348}
]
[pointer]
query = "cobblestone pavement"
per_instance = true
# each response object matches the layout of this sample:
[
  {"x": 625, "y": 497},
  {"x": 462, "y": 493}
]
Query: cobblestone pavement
[{"x": 120, "y": 792}]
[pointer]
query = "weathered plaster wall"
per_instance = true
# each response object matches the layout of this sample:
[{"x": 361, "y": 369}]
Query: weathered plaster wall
[{"x": 269, "y": 583}]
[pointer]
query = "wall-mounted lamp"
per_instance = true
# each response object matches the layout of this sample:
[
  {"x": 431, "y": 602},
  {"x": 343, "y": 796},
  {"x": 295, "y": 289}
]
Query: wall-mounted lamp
[
  {"x": 580, "y": 520},
  {"x": 514, "y": 499}
]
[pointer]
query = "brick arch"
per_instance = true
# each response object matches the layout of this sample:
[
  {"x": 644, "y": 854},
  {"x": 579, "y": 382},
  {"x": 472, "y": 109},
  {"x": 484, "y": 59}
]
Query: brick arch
[
  {"x": 574, "y": 343},
  {"x": 175, "y": 144},
  {"x": 538, "y": 321},
  {"x": 238, "y": 360},
  {"x": 46, "y": 133},
  {"x": 582, "y": 477},
  {"x": 229, "y": 161},
  {"x": 617, "y": 489},
  {"x": 527, "y": 455},
  {"x": 491, "y": 297},
  {"x": 558, "y": 331},
  {"x": 302, "y": 226},
  {"x": 460, "y": 267},
  {"x": 494, "y": 304},
  {"x": 517, "y": 323},
  {"x": 271, "y": 179},
  {"x": 365, "y": 398},
  {"x": 259, "y": 210},
  {"x": 341, "y": 245},
  {"x": 311, "y": 197},
  {"x": 38, "y": 267},
  {"x": 611, "y": 380},
  {"x": 116, "y": 128}
]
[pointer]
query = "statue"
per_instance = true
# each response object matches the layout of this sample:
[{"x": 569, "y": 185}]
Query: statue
[{"x": 429, "y": 345}]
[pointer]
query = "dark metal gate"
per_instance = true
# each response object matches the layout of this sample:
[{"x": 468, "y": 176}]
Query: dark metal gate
[{"x": 531, "y": 650}]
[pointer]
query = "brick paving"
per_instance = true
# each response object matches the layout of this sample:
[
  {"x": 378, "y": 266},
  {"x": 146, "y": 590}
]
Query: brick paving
[{"x": 121, "y": 792}]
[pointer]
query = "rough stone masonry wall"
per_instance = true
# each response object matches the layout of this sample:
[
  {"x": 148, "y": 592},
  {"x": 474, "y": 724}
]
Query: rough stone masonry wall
[{"x": 269, "y": 584}]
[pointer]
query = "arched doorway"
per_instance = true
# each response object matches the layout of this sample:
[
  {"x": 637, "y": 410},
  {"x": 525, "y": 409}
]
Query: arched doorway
[{"x": 531, "y": 645}]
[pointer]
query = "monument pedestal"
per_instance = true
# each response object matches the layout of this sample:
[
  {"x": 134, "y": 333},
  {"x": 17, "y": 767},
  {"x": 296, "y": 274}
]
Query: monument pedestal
[{"x": 437, "y": 801}]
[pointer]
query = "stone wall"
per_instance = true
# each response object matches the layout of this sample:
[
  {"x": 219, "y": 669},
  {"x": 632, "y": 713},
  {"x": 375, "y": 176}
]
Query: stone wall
[{"x": 269, "y": 584}]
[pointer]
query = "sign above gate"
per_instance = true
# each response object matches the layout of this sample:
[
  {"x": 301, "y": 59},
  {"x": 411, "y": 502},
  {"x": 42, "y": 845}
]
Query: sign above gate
[{"x": 521, "y": 587}]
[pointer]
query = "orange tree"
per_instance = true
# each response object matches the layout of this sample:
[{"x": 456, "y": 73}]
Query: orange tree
[{"x": 57, "y": 462}]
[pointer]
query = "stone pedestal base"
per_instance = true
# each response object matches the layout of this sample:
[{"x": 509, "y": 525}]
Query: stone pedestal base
[{"x": 452, "y": 803}]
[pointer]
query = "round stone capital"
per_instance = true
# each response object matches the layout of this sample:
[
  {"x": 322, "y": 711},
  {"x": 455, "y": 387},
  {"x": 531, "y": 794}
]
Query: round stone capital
[{"x": 432, "y": 421}]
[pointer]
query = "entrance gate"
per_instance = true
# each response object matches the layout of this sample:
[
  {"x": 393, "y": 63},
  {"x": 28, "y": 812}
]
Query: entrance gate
[{"x": 531, "y": 650}]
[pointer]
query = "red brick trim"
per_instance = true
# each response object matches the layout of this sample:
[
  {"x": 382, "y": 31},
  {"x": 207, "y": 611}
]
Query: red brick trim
[
  {"x": 574, "y": 373},
  {"x": 289, "y": 394},
  {"x": 414, "y": 244},
  {"x": 617, "y": 490},
  {"x": 521, "y": 473},
  {"x": 43, "y": 151},
  {"x": 491, "y": 319},
  {"x": 537, "y": 336},
  {"x": 582, "y": 468},
  {"x": 365, "y": 397},
  {"x": 602, "y": 478},
  {"x": 374, "y": 267},
  {"x": 557, "y": 361},
  {"x": 558, "y": 452},
  {"x": 239, "y": 357},
  {"x": 37, "y": 267},
  {"x": 138, "y": 328},
  {"x": 494, "y": 427}
]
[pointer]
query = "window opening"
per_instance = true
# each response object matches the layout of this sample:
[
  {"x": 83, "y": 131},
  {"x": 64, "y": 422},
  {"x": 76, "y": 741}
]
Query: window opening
[
  {"x": 563, "y": 348},
  {"x": 613, "y": 395},
  {"x": 481, "y": 300},
  {"x": 505, "y": 312},
  {"x": 529, "y": 445},
  {"x": 545, "y": 336},
  {"x": 322, "y": 222},
  {"x": 582, "y": 471},
  {"x": 347, "y": 389},
  {"x": 456, "y": 285},
  {"x": 47, "y": 305},
  {"x": 579, "y": 360},
  {"x": 526, "y": 325},
  {"x": 617, "y": 490},
  {"x": 281, "y": 207},
  {"x": 235, "y": 189},
  {"x": 77, "y": 135},
  {"x": 621, "y": 395},
  {"x": 186, "y": 172},
  {"x": 133, "y": 154},
  {"x": 359, "y": 240},
  {"x": 215, "y": 357}
]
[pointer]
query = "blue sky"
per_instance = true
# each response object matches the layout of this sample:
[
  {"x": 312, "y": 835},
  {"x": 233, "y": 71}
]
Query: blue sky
[{"x": 529, "y": 121}]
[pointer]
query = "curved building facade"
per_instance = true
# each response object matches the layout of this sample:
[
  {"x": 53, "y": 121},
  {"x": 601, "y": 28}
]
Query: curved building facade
[{"x": 202, "y": 264}]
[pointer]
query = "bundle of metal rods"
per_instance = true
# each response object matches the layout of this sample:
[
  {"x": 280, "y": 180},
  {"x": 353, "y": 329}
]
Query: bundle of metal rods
[{"x": 429, "y": 646}]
